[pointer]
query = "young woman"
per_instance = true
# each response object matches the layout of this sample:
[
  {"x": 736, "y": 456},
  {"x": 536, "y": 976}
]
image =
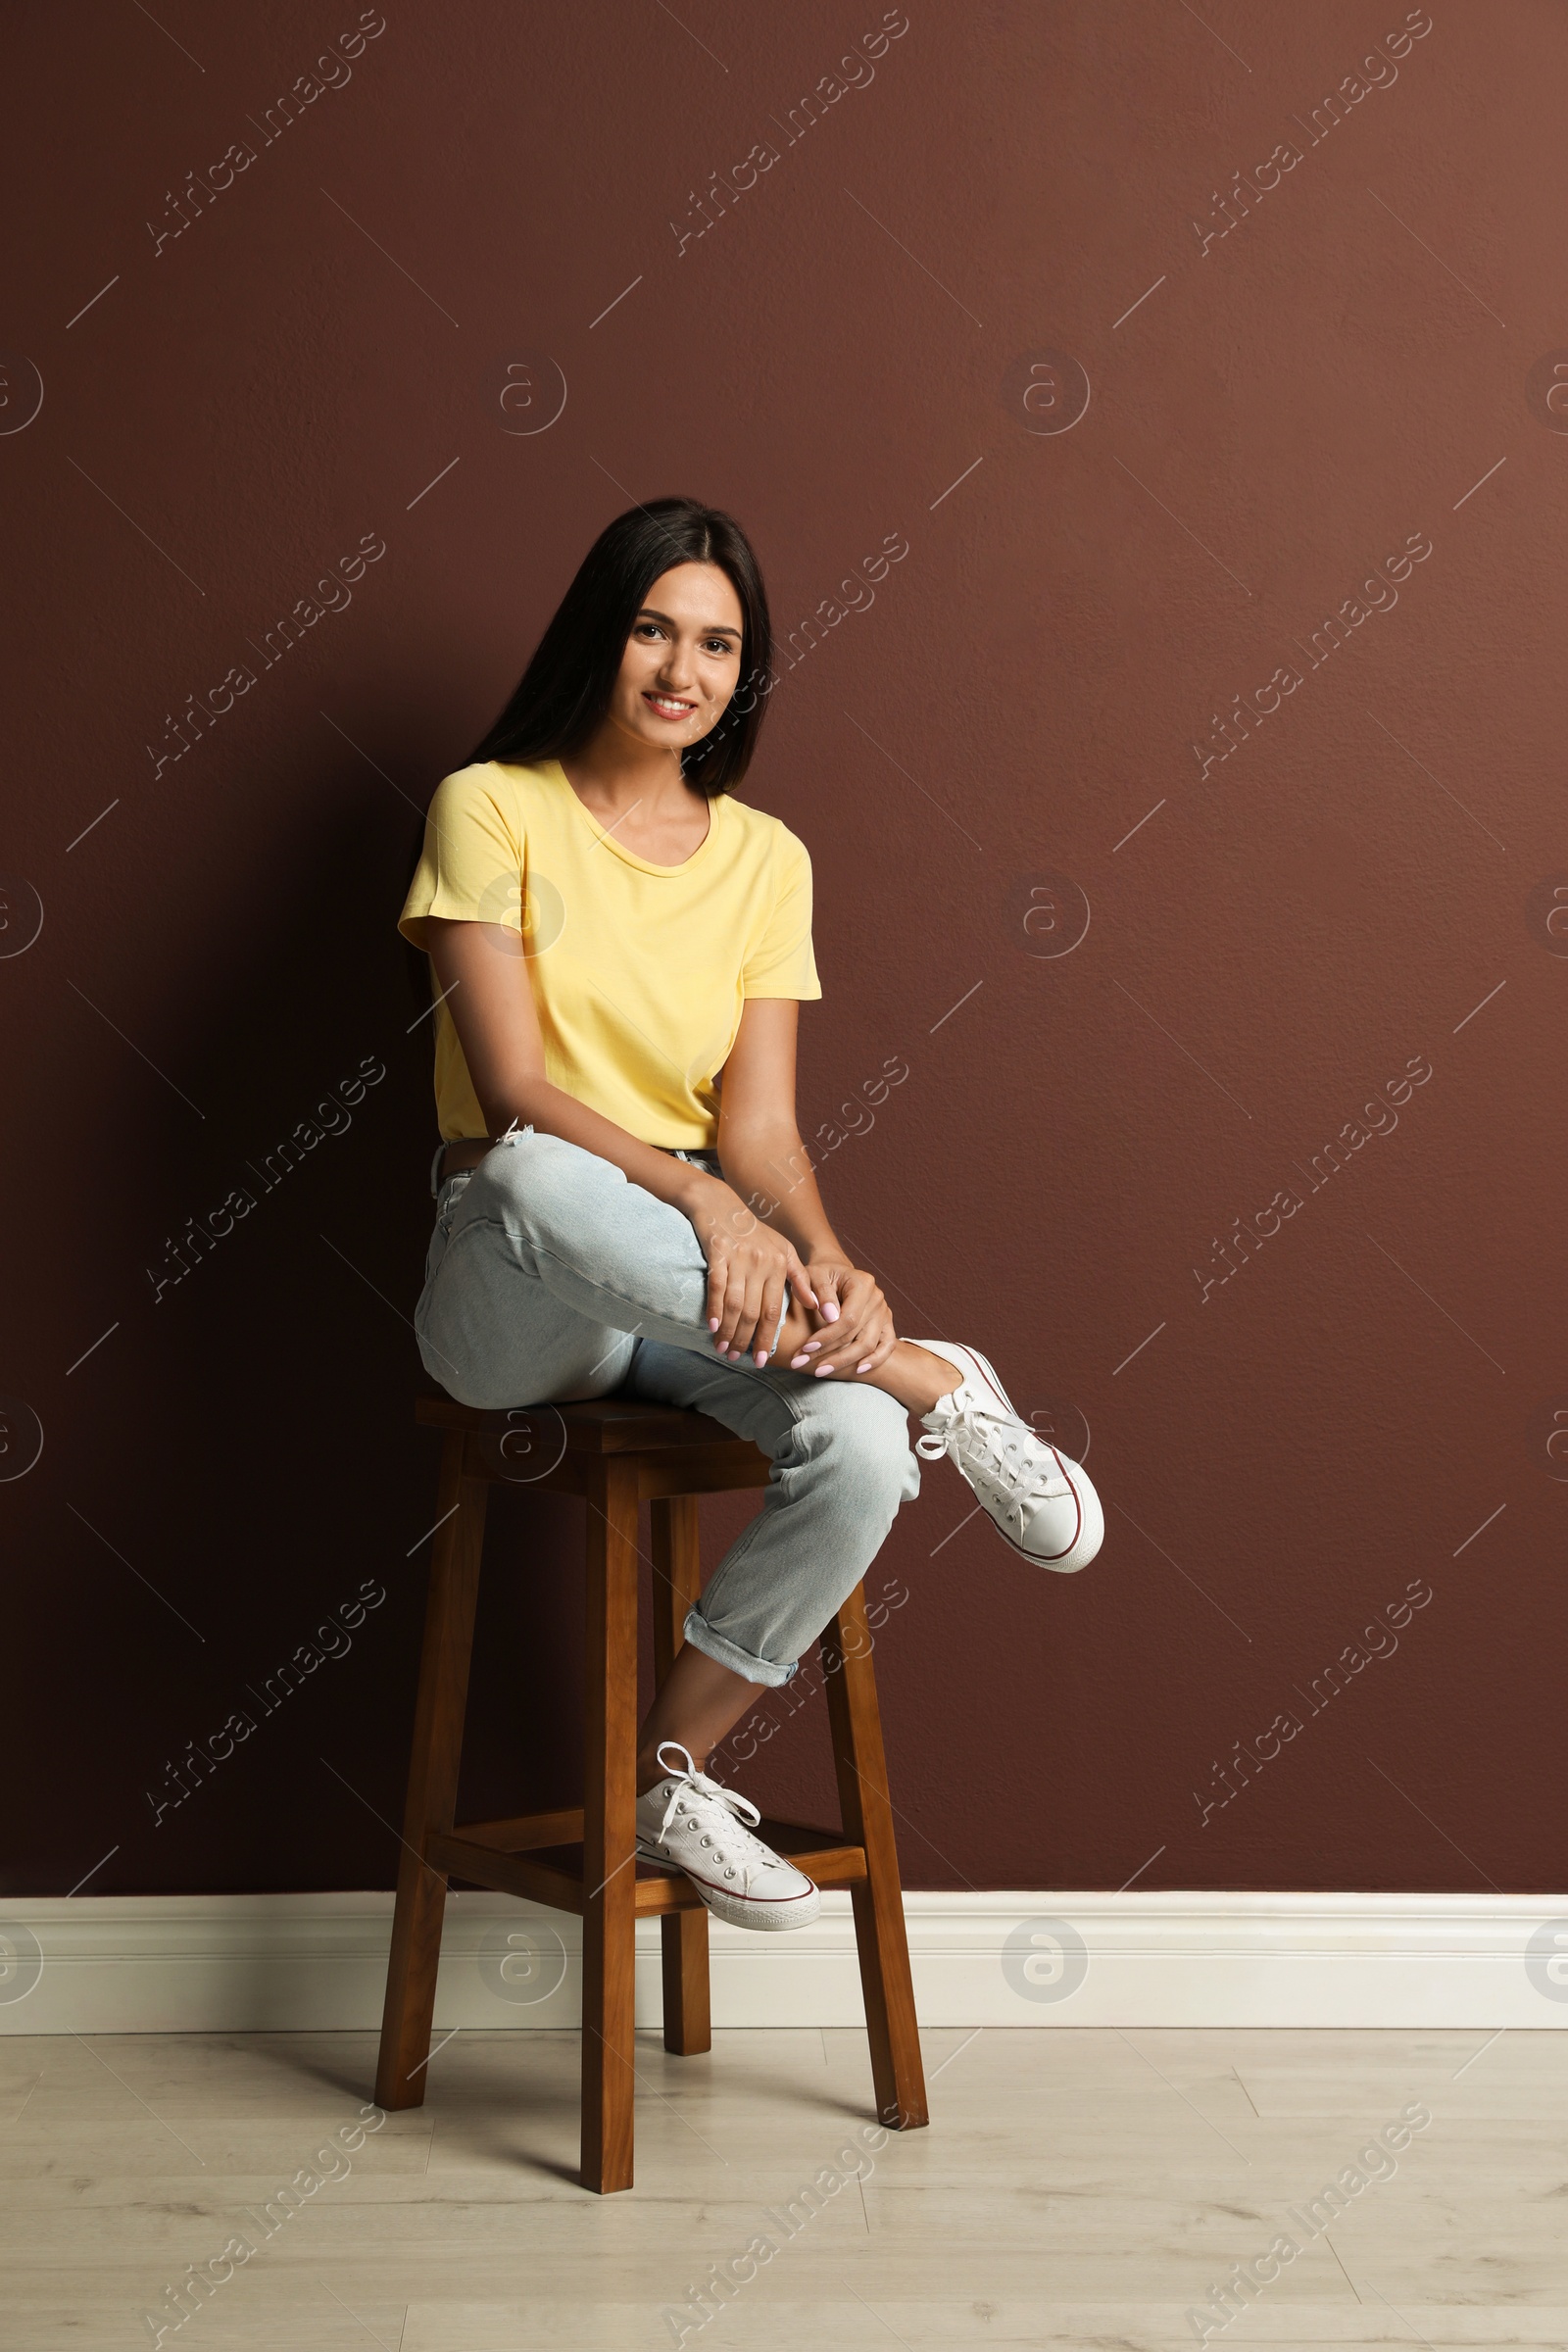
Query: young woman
[{"x": 624, "y": 1203}]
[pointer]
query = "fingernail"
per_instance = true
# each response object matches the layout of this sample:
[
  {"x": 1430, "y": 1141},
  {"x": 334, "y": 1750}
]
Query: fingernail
[
  {"x": 796, "y": 1361},
  {"x": 822, "y": 1371},
  {"x": 760, "y": 1356},
  {"x": 865, "y": 1367},
  {"x": 811, "y": 1345},
  {"x": 831, "y": 1310},
  {"x": 712, "y": 1322}
]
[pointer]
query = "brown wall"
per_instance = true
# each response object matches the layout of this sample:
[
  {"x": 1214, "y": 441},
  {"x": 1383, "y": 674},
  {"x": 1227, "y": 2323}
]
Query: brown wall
[{"x": 874, "y": 340}]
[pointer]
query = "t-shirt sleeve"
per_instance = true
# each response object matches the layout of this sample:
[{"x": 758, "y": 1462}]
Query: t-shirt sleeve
[
  {"x": 471, "y": 868},
  {"x": 781, "y": 962}
]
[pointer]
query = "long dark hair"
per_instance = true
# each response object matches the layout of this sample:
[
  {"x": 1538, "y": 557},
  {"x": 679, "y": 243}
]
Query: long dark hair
[{"x": 564, "y": 694}]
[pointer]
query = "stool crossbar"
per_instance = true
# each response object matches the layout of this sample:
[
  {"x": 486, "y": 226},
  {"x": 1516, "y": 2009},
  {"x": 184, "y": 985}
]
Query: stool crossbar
[{"x": 616, "y": 1453}]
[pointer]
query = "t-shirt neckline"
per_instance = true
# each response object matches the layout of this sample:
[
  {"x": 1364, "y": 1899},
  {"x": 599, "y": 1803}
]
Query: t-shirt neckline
[{"x": 606, "y": 839}]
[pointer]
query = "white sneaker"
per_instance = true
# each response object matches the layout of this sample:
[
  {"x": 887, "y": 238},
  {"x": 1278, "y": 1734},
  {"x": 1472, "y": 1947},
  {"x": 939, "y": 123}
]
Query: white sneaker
[
  {"x": 693, "y": 1824},
  {"x": 1042, "y": 1503}
]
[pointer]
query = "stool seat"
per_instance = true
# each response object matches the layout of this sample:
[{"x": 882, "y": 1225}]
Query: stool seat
[
  {"x": 599, "y": 1425},
  {"x": 616, "y": 1452}
]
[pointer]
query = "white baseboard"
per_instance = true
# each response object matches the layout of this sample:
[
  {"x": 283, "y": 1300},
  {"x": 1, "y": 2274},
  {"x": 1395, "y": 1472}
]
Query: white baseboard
[{"x": 236, "y": 1963}]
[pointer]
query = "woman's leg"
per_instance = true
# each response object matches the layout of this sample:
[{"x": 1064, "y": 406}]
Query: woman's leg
[
  {"x": 698, "y": 1702},
  {"x": 842, "y": 1466},
  {"x": 547, "y": 1265},
  {"x": 552, "y": 1276},
  {"x": 490, "y": 1332},
  {"x": 549, "y": 1268}
]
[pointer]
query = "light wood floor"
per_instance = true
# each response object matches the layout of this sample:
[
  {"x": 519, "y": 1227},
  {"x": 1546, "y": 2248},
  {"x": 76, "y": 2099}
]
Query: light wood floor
[{"x": 1075, "y": 2189}]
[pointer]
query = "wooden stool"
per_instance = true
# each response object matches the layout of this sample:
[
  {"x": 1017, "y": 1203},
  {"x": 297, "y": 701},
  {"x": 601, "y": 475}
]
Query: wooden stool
[{"x": 616, "y": 1453}]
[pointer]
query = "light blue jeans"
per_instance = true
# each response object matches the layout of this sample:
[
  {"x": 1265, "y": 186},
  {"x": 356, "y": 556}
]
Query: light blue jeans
[{"x": 551, "y": 1277}]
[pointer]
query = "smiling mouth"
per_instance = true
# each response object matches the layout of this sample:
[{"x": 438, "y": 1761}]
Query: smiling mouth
[{"x": 669, "y": 705}]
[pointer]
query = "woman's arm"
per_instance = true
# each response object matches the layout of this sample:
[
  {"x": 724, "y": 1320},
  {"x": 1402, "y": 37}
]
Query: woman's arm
[
  {"x": 766, "y": 1163},
  {"x": 759, "y": 1141},
  {"x": 482, "y": 971}
]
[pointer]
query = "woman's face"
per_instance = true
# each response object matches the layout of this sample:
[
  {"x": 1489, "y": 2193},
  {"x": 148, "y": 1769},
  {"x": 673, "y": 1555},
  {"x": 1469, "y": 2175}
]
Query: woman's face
[{"x": 682, "y": 661}]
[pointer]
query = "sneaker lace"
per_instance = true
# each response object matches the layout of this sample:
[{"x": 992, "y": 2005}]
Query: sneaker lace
[
  {"x": 687, "y": 1783},
  {"x": 1002, "y": 1450}
]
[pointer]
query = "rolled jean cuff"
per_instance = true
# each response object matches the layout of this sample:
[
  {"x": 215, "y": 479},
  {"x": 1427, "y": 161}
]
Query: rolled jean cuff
[{"x": 701, "y": 1634}]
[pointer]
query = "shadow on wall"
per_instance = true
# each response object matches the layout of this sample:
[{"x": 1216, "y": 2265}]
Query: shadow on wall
[{"x": 261, "y": 1266}]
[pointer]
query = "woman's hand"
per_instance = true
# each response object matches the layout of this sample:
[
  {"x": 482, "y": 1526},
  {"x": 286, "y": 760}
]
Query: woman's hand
[
  {"x": 747, "y": 1267},
  {"x": 855, "y": 1323}
]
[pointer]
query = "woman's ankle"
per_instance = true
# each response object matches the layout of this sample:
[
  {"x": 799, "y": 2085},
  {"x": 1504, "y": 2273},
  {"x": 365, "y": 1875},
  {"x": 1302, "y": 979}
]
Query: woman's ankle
[
  {"x": 650, "y": 1770},
  {"x": 915, "y": 1377}
]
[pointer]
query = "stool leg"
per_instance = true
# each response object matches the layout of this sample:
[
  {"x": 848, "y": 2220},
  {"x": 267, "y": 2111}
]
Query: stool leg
[
  {"x": 678, "y": 1581},
  {"x": 610, "y": 1878},
  {"x": 879, "y": 1933},
  {"x": 436, "y": 1755}
]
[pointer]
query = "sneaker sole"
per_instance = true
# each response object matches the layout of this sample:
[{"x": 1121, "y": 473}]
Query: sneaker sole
[
  {"x": 773, "y": 1918},
  {"x": 1070, "y": 1470}
]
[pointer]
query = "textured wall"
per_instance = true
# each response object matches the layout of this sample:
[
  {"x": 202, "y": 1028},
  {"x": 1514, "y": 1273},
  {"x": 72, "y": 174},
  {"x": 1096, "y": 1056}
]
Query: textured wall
[{"x": 1251, "y": 665}]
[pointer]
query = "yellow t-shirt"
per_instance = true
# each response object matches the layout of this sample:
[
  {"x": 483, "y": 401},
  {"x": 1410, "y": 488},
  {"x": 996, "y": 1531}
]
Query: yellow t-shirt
[{"x": 639, "y": 971}]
